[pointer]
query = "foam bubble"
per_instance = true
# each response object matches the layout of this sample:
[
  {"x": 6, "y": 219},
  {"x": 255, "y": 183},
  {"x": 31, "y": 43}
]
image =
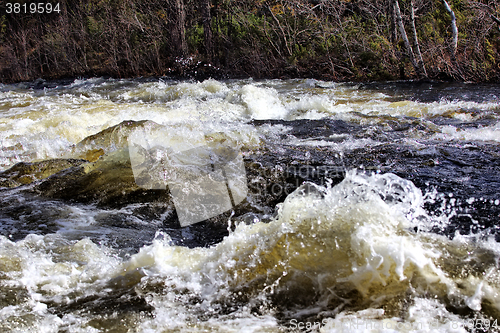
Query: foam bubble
[{"x": 262, "y": 103}]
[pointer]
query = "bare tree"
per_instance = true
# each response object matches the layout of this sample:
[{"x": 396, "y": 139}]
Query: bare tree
[
  {"x": 497, "y": 21},
  {"x": 404, "y": 36},
  {"x": 420, "y": 60},
  {"x": 454, "y": 30},
  {"x": 285, "y": 41}
]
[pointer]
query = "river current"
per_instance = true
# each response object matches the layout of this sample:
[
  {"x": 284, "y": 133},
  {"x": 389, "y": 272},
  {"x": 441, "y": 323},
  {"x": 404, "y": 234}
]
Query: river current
[{"x": 358, "y": 208}]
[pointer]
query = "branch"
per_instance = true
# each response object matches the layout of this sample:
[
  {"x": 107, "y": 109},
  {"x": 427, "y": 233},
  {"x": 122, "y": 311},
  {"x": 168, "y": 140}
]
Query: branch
[
  {"x": 496, "y": 19},
  {"x": 282, "y": 31}
]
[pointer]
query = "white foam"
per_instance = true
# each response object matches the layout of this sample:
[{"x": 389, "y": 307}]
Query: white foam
[
  {"x": 262, "y": 103},
  {"x": 44, "y": 124},
  {"x": 490, "y": 133},
  {"x": 48, "y": 268},
  {"x": 425, "y": 315}
]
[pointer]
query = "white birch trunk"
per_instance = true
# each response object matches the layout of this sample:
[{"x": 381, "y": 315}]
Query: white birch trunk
[
  {"x": 454, "y": 30},
  {"x": 402, "y": 31},
  {"x": 420, "y": 60}
]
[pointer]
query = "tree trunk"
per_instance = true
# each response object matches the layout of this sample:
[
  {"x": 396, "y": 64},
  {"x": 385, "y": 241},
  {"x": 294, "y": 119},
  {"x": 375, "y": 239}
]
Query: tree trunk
[
  {"x": 454, "y": 31},
  {"x": 497, "y": 20},
  {"x": 420, "y": 60},
  {"x": 179, "y": 28},
  {"x": 207, "y": 28},
  {"x": 402, "y": 31},
  {"x": 394, "y": 24}
]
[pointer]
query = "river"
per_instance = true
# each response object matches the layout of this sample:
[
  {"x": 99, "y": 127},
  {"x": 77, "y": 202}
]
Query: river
[{"x": 324, "y": 207}]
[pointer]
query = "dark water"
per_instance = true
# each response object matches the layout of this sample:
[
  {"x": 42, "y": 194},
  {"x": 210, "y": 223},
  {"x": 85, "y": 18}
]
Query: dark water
[{"x": 362, "y": 207}]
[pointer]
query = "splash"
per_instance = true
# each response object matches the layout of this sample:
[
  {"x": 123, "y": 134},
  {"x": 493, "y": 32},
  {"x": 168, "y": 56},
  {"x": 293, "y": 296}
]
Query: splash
[
  {"x": 333, "y": 255},
  {"x": 332, "y": 249}
]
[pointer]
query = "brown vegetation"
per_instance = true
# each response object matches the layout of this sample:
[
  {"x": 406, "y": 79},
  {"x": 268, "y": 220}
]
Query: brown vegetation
[{"x": 327, "y": 39}]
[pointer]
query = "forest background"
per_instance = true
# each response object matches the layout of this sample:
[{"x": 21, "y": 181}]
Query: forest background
[{"x": 341, "y": 40}]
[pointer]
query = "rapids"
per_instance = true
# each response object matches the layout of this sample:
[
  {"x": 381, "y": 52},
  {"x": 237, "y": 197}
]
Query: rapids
[{"x": 367, "y": 207}]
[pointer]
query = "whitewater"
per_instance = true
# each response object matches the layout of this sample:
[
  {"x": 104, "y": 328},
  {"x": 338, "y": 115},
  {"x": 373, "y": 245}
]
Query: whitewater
[{"x": 368, "y": 207}]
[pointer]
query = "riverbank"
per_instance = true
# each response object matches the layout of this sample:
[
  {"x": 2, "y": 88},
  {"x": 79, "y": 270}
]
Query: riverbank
[{"x": 326, "y": 40}]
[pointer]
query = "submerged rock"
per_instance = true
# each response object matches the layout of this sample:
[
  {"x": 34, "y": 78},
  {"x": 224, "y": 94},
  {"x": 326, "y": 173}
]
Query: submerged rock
[
  {"x": 107, "y": 182},
  {"x": 25, "y": 173},
  {"x": 94, "y": 146}
]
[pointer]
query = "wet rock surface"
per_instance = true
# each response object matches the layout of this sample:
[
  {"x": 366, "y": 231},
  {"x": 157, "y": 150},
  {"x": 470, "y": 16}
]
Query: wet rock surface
[
  {"x": 25, "y": 173},
  {"x": 108, "y": 182}
]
